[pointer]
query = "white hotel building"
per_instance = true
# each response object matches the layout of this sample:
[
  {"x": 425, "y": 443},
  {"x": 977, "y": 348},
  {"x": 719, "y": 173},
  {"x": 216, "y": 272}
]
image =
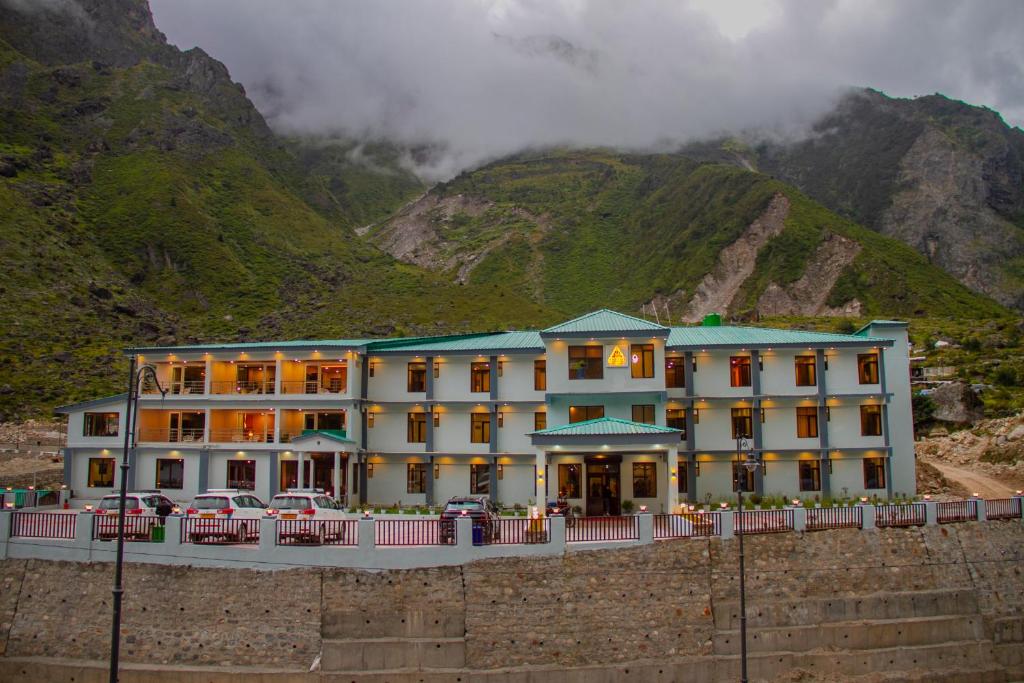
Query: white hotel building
[{"x": 602, "y": 409}]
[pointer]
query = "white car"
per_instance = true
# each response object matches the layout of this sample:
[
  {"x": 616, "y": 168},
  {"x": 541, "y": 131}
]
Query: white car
[
  {"x": 225, "y": 516},
  {"x": 308, "y": 516},
  {"x": 140, "y": 509}
]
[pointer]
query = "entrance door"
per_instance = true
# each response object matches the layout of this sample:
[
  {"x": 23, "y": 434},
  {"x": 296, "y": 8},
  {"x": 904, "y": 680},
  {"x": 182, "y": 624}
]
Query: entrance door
[
  {"x": 323, "y": 472},
  {"x": 603, "y": 491}
]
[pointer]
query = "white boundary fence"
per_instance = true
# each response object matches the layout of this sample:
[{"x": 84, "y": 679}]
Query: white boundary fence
[{"x": 72, "y": 537}]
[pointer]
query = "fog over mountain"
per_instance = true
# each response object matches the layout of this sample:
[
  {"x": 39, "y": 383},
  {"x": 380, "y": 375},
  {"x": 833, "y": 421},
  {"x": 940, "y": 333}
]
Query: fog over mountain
[{"x": 480, "y": 78}]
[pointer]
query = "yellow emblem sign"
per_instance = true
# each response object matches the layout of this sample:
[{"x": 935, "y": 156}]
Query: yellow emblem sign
[{"x": 616, "y": 359}]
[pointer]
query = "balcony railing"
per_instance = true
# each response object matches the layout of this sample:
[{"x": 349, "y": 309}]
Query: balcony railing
[
  {"x": 303, "y": 387},
  {"x": 288, "y": 437},
  {"x": 164, "y": 435},
  {"x": 239, "y": 387},
  {"x": 241, "y": 436}
]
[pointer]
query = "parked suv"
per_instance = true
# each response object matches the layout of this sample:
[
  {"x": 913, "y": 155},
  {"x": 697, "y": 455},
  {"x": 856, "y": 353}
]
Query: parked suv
[
  {"x": 308, "y": 516},
  {"x": 226, "y": 515},
  {"x": 482, "y": 511},
  {"x": 142, "y": 503}
]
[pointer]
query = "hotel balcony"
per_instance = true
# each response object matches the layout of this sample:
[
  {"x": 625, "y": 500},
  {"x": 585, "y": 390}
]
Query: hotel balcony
[
  {"x": 171, "y": 426},
  {"x": 239, "y": 426},
  {"x": 296, "y": 423}
]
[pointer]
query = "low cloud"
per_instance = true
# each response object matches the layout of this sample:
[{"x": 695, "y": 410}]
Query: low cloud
[{"x": 475, "y": 79}]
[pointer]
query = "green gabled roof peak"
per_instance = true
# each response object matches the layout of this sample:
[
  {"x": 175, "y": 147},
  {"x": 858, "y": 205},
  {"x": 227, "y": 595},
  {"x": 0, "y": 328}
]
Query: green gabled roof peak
[
  {"x": 605, "y": 321},
  {"x": 606, "y": 426}
]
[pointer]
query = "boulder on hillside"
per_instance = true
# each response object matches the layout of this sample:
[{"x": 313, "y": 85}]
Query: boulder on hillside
[{"x": 956, "y": 402}]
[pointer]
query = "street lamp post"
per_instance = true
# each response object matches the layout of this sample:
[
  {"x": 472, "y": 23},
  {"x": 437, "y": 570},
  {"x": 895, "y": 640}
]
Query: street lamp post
[
  {"x": 750, "y": 464},
  {"x": 131, "y": 413}
]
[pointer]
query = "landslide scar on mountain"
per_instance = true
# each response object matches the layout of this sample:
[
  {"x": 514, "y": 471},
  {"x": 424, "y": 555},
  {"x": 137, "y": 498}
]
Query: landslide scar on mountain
[
  {"x": 736, "y": 262},
  {"x": 808, "y": 294},
  {"x": 438, "y": 232}
]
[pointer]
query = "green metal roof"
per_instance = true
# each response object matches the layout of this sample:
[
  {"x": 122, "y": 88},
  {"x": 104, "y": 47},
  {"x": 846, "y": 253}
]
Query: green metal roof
[
  {"x": 604, "y": 320},
  {"x": 881, "y": 323},
  {"x": 263, "y": 345},
  {"x": 606, "y": 426},
  {"x": 466, "y": 343},
  {"x": 735, "y": 336}
]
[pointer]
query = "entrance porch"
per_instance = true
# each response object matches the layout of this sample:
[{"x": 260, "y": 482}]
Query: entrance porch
[{"x": 322, "y": 460}]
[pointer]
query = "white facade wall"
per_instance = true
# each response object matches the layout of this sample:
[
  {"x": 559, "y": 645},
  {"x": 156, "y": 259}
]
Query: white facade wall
[
  {"x": 615, "y": 379},
  {"x": 779, "y": 374},
  {"x": 518, "y": 421},
  {"x": 389, "y": 433},
  {"x": 390, "y": 381},
  {"x": 453, "y": 434},
  {"x": 516, "y": 381},
  {"x": 712, "y": 375},
  {"x": 779, "y": 427}
]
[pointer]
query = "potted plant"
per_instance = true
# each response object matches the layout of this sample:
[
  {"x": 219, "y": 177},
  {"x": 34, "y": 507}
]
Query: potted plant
[{"x": 627, "y": 507}]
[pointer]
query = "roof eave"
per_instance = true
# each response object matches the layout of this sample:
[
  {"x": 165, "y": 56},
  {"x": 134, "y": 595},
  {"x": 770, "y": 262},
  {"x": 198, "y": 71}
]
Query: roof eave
[
  {"x": 867, "y": 341},
  {"x": 96, "y": 402},
  {"x": 607, "y": 334}
]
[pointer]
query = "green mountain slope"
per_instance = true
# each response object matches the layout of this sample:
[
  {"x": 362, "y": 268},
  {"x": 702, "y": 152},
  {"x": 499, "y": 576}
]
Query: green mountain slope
[
  {"x": 584, "y": 229},
  {"x": 149, "y": 202}
]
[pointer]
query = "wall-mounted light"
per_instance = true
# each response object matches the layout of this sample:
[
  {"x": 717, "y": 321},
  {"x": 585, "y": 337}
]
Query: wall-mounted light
[
  {"x": 501, "y": 472},
  {"x": 762, "y": 415},
  {"x": 369, "y": 419},
  {"x": 437, "y": 369},
  {"x": 696, "y": 415},
  {"x": 674, "y": 476},
  {"x": 696, "y": 468},
  {"x": 693, "y": 363},
  {"x": 437, "y": 419},
  {"x": 437, "y": 471},
  {"x": 501, "y": 419},
  {"x": 369, "y": 470},
  {"x": 373, "y": 367}
]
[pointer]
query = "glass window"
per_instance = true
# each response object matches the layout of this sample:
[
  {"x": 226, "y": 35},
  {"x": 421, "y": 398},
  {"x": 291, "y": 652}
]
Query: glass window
[
  {"x": 540, "y": 420},
  {"x": 569, "y": 478},
  {"x": 675, "y": 372},
  {"x": 480, "y": 428},
  {"x": 742, "y": 475},
  {"x": 480, "y": 479},
  {"x": 810, "y": 475},
  {"x": 645, "y": 480},
  {"x": 742, "y": 424},
  {"x": 540, "y": 375},
  {"x": 480, "y": 377},
  {"x": 170, "y": 473},
  {"x": 416, "y": 428},
  {"x": 874, "y": 473},
  {"x": 586, "y": 362},
  {"x": 101, "y": 472},
  {"x": 100, "y": 424},
  {"x": 676, "y": 419},
  {"x": 682, "y": 477},
  {"x": 416, "y": 477},
  {"x": 871, "y": 420},
  {"x": 242, "y": 474},
  {"x": 641, "y": 360},
  {"x": 416, "y": 378},
  {"x": 867, "y": 368},
  {"x": 739, "y": 371},
  {"x": 807, "y": 422},
  {"x": 805, "y": 371},
  {"x": 583, "y": 413},
  {"x": 643, "y": 413}
]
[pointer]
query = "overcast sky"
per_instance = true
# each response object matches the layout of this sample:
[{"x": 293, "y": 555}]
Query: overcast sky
[{"x": 489, "y": 77}]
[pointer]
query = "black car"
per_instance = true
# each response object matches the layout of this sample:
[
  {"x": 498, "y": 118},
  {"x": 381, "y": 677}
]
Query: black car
[{"x": 479, "y": 508}]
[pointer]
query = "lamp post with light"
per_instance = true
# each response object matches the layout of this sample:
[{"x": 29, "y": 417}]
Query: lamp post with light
[
  {"x": 744, "y": 457},
  {"x": 135, "y": 375}
]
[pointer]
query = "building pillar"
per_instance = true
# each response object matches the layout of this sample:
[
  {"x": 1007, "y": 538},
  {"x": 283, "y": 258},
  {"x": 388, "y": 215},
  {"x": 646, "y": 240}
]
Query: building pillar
[
  {"x": 277, "y": 381},
  {"x": 493, "y": 367},
  {"x": 204, "y": 470},
  {"x": 274, "y": 474},
  {"x": 688, "y": 372},
  {"x": 691, "y": 477},
  {"x": 277, "y": 425},
  {"x": 300, "y": 474},
  {"x": 494, "y": 479},
  {"x": 69, "y": 453},
  {"x": 492, "y": 446},
  {"x": 824, "y": 443},
  {"x": 539, "y": 480},
  {"x": 429, "y": 486},
  {"x": 337, "y": 475},
  {"x": 672, "y": 460},
  {"x": 362, "y": 478},
  {"x": 429, "y": 445},
  {"x": 208, "y": 378},
  {"x": 206, "y": 426},
  {"x": 758, "y": 446},
  {"x": 430, "y": 378}
]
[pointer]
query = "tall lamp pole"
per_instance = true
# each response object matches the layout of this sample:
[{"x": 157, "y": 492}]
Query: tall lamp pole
[
  {"x": 744, "y": 457},
  {"x": 135, "y": 375}
]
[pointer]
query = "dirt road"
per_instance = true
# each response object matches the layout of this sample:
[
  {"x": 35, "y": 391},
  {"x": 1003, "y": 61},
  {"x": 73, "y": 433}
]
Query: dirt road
[{"x": 973, "y": 481}]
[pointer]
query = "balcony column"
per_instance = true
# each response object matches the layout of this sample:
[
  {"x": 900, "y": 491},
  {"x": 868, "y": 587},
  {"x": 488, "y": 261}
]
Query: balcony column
[
  {"x": 337, "y": 475},
  {"x": 362, "y": 478},
  {"x": 277, "y": 425},
  {"x": 273, "y": 474},
  {"x": 430, "y": 378},
  {"x": 672, "y": 460},
  {"x": 494, "y": 377},
  {"x": 204, "y": 470},
  {"x": 301, "y": 478},
  {"x": 823, "y": 439},
  {"x": 539, "y": 480},
  {"x": 428, "y": 484},
  {"x": 208, "y": 378},
  {"x": 278, "y": 366},
  {"x": 206, "y": 426}
]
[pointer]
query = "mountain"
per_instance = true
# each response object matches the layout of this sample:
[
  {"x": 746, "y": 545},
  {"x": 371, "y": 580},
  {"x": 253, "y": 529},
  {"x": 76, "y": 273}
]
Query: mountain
[
  {"x": 579, "y": 229},
  {"x": 943, "y": 176},
  {"x": 144, "y": 199}
]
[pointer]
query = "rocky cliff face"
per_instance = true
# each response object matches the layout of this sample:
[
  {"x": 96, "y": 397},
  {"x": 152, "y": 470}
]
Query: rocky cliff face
[{"x": 944, "y": 177}]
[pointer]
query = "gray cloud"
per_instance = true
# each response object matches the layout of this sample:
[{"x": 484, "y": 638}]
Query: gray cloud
[{"x": 480, "y": 78}]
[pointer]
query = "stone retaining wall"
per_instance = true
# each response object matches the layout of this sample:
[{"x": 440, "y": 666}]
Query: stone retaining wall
[{"x": 657, "y": 603}]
